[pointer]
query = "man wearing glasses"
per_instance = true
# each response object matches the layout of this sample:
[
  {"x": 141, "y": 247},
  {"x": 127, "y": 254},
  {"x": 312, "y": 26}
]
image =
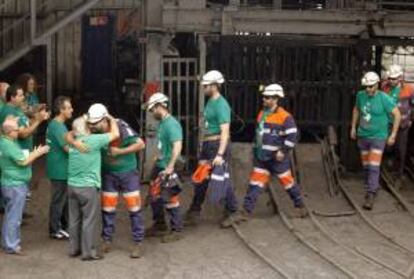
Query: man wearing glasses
[
  {"x": 372, "y": 113},
  {"x": 120, "y": 176},
  {"x": 403, "y": 96}
]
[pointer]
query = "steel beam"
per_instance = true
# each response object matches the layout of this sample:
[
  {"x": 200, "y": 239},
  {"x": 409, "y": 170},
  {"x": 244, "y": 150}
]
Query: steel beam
[
  {"x": 38, "y": 40},
  {"x": 33, "y": 20},
  {"x": 49, "y": 72},
  {"x": 69, "y": 18},
  {"x": 260, "y": 20}
]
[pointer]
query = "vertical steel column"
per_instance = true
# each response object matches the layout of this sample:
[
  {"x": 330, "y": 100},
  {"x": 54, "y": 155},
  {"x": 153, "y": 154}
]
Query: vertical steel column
[
  {"x": 201, "y": 70},
  {"x": 32, "y": 20},
  {"x": 49, "y": 71}
]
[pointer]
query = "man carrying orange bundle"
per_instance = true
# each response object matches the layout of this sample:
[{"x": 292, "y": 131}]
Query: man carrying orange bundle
[{"x": 164, "y": 189}]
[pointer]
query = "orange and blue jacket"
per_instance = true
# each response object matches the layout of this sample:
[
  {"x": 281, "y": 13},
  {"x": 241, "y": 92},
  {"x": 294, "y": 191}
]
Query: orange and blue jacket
[{"x": 279, "y": 132}]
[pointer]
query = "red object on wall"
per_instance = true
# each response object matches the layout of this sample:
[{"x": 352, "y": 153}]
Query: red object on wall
[{"x": 150, "y": 88}]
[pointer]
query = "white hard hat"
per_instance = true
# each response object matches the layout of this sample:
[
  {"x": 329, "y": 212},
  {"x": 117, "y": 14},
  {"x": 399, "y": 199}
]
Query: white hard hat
[
  {"x": 273, "y": 90},
  {"x": 96, "y": 113},
  {"x": 212, "y": 77},
  {"x": 156, "y": 98},
  {"x": 370, "y": 78},
  {"x": 395, "y": 71}
]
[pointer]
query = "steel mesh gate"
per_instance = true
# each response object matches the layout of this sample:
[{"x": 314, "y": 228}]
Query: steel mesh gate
[
  {"x": 319, "y": 76},
  {"x": 179, "y": 83}
]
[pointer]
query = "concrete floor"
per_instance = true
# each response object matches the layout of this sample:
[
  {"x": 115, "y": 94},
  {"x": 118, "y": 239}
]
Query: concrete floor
[{"x": 210, "y": 252}]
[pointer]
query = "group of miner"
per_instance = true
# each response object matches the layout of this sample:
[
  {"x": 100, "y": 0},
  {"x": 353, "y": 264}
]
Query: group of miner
[{"x": 95, "y": 162}]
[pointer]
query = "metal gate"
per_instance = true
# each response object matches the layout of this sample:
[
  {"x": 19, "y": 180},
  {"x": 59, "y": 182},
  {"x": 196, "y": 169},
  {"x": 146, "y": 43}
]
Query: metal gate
[
  {"x": 179, "y": 83},
  {"x": 320, "y": 77}
]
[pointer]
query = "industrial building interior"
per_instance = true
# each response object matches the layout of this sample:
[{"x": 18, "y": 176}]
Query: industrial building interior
[{"x": 120, "y": 52}]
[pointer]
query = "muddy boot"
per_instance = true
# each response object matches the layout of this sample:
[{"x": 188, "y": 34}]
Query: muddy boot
[
  {"x": 398, "y": 184},
  {"x": 302, "y": 211},
  {"x": 369, "y": 201},
  {"x": 156, "y": 230},
  {"x": 191, "y": 218},
  {"x": 136, "y": 251},
  {"x": 106, "y": 246},
  {"x": 171, "y": 237},
  {"x": 235, "y": 218}
]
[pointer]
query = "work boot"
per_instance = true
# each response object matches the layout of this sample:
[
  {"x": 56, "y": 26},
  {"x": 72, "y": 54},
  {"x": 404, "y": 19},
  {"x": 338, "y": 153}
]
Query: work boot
[
  {"x": 106, "y": 246},
  {"x": 302, "y": 211},
  {"x": 191, "y": 218},
  {"x": 171, "y": 237},
  {"x": 400, "y": 182},
  {"x": 136, "y": 251},
  {"x": 27, "y": 215},
  {"x": 235, "y": 218},
  {"x": 157, "y": 229},
  {"x": 369, "y": 201}
]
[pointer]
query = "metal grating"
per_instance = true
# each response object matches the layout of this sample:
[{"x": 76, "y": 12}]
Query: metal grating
[
  {"x": 180, "y": 84},
  {"x": 320, "y": 77}
]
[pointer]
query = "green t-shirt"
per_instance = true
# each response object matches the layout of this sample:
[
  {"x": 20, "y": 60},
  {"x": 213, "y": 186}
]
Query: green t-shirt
[
  {"x": 121, "y": 163},
  {"x": 84, "y": 169},
  {"x": 216, "y": 113},
  {"x": 57, "y": 158},
  {"x": 13, "y": 174},
  {"x": 375, "y": 114},
  {"x": 26, "y": 143},
  {"x": 169, "y": 131}
]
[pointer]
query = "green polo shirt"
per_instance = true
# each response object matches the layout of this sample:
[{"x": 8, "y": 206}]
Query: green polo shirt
[
  {"x": 26, "y": 143},
  {"x": 57, "y": 158},
  {"x": 84, "y": 169},
  {"x": 12, "y": 173}
]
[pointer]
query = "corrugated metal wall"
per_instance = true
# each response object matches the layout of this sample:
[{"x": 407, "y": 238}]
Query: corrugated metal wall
[{"x": 67, "y": 42}]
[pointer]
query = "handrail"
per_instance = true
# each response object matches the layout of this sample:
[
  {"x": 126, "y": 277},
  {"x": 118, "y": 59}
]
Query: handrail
[
  {"x": 19, "y": 21},
  {"x": 5, "y": 4},
  {"x": 41, "y": 35}
]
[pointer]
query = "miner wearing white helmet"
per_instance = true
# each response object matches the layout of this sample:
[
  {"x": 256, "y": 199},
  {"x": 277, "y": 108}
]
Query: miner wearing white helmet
[
  {"x": 215, "y": 147},
  {"x": 371, "y": 116},
  {"x": 84, "y": 182},
  {"x": 403, "y": 95},
  {"x": 164, "y": 189},
  {"x": 276, "y": 135},
  {"x": 120, "y": 177}
]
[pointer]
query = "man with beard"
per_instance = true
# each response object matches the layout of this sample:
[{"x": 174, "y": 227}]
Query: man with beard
[
  {"x": 276, "y": 136},
  {"x": 164, "y": 188},
  {"x": 215, "y": 151},
  {"x": 120, "y": 176}
]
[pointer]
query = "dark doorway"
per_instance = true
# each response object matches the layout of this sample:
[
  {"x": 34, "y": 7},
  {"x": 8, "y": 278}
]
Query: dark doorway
[{"x": 97, "y": 59}]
